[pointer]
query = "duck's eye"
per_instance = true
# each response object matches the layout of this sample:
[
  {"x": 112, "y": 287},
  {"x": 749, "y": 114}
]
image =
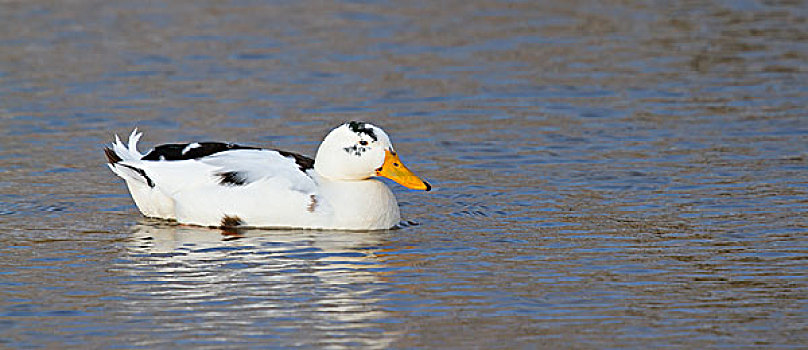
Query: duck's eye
[{"x": 363, "y": 143}]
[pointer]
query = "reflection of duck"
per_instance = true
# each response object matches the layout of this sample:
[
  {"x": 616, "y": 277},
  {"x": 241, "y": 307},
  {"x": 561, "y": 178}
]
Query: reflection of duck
[
  {"x": 157, "y": 237},
  {"x": 219, "y": 184},
  {"x": 290, "y": 287},
  {"x": 336, "y": 248}
]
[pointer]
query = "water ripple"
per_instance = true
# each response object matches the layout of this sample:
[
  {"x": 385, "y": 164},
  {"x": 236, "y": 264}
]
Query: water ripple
[{"x": 606, "y": 174}]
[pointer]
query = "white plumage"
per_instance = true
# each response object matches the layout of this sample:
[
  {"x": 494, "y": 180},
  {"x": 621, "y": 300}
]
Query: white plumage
[{"x": 219, "y": 184}]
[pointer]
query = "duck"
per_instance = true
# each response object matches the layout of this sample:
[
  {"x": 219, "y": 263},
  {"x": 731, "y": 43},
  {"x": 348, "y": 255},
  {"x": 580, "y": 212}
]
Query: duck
[{"x": 227, "y": 185}]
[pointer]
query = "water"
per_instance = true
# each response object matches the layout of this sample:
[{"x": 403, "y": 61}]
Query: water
[{"x": 608, "y": 174}]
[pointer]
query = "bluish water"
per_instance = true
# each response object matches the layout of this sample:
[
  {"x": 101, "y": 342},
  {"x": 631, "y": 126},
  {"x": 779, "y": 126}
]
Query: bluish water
[{"x": 608, "y": 175}]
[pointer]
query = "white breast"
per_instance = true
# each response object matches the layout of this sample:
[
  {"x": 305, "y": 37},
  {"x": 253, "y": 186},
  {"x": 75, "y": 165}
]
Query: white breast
[{"x": 360, "y": 205}]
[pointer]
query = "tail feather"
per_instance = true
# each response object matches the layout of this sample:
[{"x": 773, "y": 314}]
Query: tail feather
[
  {"x": 124, "y": 158},
  {"x": 124, "y": 153},
  {"x": 111, "y": 156},
  {"x": 126, "y": 161}
]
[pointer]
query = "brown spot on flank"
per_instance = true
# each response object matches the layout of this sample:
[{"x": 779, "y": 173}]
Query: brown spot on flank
[
  {"x": 231, "y": 221},
  {"x": 313, "y": 205}
]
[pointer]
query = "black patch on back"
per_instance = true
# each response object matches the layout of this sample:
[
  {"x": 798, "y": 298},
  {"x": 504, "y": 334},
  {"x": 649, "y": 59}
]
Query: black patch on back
[
  {"x": 362, "y": 128},
  {"x": 141, "y": 172},
  {"x": 231, "y": 221},
  {"x": 231, "y": 178},
  {"x": 303, "y": 163},
  {"x": 173, "y": 151}
]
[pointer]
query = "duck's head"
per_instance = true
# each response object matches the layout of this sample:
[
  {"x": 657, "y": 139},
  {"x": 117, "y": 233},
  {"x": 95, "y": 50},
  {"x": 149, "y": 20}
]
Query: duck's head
[{"x": 358, "y": 151}]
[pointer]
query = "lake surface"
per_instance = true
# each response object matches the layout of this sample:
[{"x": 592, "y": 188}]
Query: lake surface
[{"x": 607, "y": 174}]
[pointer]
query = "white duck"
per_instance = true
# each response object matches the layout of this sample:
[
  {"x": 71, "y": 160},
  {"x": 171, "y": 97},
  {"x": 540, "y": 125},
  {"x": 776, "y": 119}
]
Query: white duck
[{"x": 226, "y": 185}]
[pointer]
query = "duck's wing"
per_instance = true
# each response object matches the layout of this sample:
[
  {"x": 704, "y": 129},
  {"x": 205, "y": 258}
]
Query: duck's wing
[
  {"x": 247, "y": 166},
  {"x": 252, "y": 187},
  {"x": 211, "y": 181}
]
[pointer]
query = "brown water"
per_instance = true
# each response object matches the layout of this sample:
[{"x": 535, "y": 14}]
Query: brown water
[{"x": 608, "y": 174}]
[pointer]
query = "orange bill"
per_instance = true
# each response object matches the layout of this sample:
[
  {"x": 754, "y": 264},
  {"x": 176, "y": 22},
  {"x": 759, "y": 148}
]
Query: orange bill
[{"x": 395, "y": 170}]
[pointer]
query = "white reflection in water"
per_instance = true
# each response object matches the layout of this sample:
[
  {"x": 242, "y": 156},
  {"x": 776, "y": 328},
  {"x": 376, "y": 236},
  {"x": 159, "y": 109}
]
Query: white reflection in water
[{"x": 312, "y": 287}]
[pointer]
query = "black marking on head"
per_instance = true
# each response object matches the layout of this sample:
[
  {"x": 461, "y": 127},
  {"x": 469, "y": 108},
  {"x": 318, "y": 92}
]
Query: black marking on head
[
  {"x": 231, "y": 178},
  {"x": 112, "y": 157},
  {"x": 355, "y": 150},
  {"x": 231, "y": 221},
  {"x": 174, "y": 151},
  {"x": 142, "y": 173},
  {"x": 362, "y": 128},
  {"x": 303, "y": 163},
  {"x": 313, "y": 205}
]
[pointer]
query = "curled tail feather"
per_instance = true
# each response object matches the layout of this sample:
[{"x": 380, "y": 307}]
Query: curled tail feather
[
  {"x": 123, "y": 159},
  {"x": 120, "y": 152}
]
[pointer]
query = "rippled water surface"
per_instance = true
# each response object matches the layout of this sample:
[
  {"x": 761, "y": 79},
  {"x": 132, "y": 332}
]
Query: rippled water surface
[{"x": 608, "y": 174}]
